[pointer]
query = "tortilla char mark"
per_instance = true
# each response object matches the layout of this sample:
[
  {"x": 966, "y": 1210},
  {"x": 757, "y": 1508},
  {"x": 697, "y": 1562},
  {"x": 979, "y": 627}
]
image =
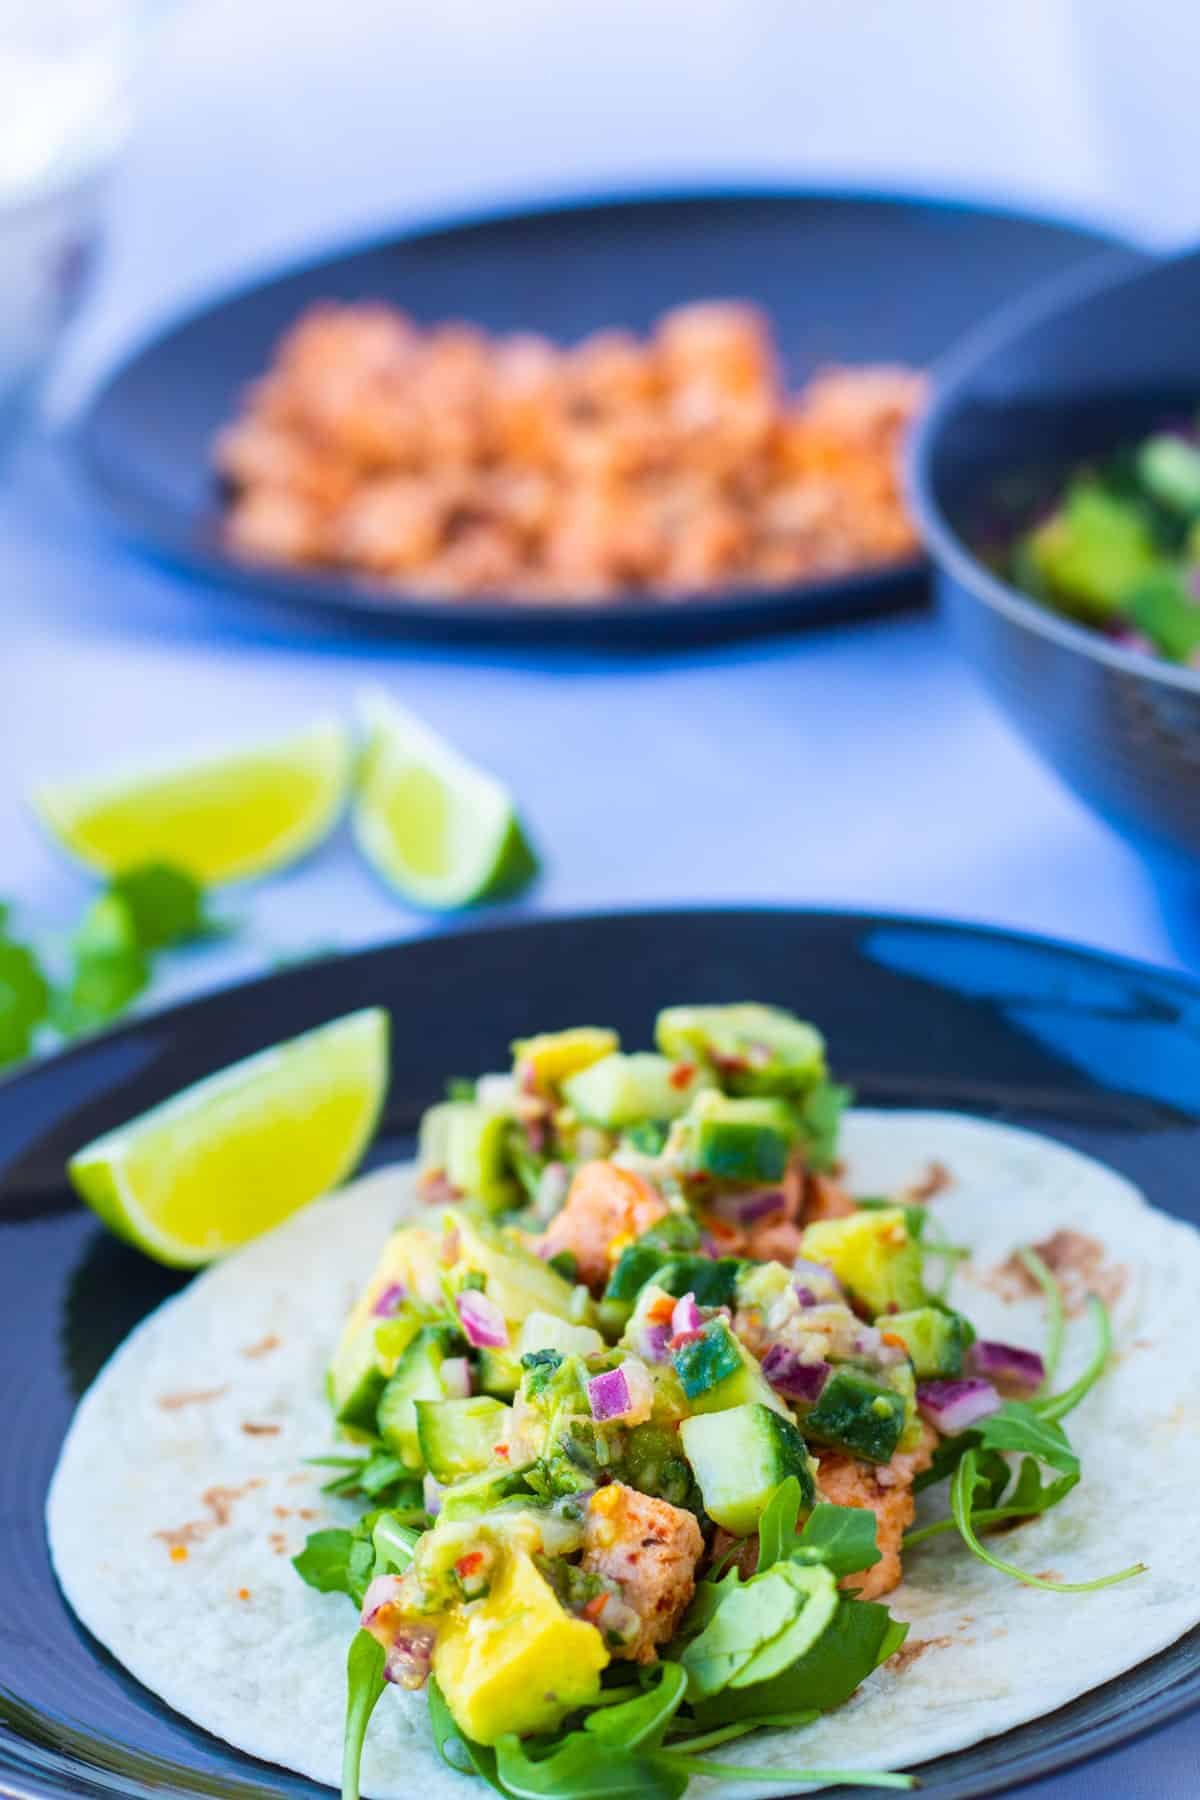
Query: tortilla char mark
[
  {"x": 219, "y": 1502},
  {"x": 1079, "y": 1264}
]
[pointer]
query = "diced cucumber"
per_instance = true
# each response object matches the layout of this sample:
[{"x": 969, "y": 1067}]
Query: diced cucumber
[
  {"x": 874, "y": 1254},
  {"x": 747, "y": 1141},
  {"x": 753, "y": 1049},
  {"x": 1168, "y": 466},
  {"x": 457, "y": 1437},
  {"x": 716, "y": 1371},
  {"x": 478, "y": 1494},
  {"x": 636, "y": 1265},
  {"x": 620, "y": 1090},
  {"x": 418, "y": 1376},
  {"x": 477, "y": 1159},
  {"x": 546, "y": 1331},
  {"x": 936, "y": 1341},
  {"x": 857, "y": 1413},
  {"x": 555, "y": 1056},
  {"x": 739, "y": 1457},
  {"x": 713, "y": 1281},
  {"x": 499, "y": 1373},
  {"x": 518, "y": 1281}
]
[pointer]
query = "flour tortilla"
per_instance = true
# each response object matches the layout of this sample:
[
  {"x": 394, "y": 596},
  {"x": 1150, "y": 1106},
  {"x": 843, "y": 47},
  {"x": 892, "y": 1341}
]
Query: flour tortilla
[{"x": 206, "y": 1414}]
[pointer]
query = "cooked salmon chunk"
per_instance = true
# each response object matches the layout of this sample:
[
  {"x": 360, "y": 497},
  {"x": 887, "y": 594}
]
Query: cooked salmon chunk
[
  {"x": 606, "y": 1208},
  {"x": 886, "y": 1489},
  {"x": 650, "y": 1549}
]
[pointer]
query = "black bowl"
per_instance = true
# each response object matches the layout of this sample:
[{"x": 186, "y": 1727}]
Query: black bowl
[{"x": 1080, "y": 368}]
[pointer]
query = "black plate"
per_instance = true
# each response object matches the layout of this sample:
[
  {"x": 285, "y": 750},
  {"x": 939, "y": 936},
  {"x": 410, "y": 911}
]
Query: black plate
[
  {"x": 844, "y": 276},
  {"x": 1100, "y": 1053}
]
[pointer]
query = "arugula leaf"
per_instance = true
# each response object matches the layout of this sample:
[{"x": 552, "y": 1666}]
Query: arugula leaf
[
  {"x": 364, "y": 1684},
  {"x": 962, "y": 1493},
  {"x": 817, "y": 1593},
  {"x": 336, "y": 1561},
  {"x": 841, "y": 1537},
  {"x": 1029, "y": 1497},
  {"x": 723, "y": 1734},
  {"x": 394, "y": 1542},
  {"x": 579, "y": 1768},
  {"x": 777, "y": 1526},
  {"x": 24, "y": 996},
  {"x": 857, "y": 1639},
  {"x": 460, "y": 1753},
  {"x": 1019, "y": 1426},
  {"x": 632, "y": 1724},
  {"x": 381, "y": 1477},
  {"x": 1057, "y": 1406},
  {"x": 1055, "y": 1317},
  {"x": 707, "y": 1598}
]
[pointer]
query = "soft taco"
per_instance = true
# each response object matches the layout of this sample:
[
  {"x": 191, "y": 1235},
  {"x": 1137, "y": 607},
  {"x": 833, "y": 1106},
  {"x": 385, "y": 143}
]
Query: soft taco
[{"x": 685, "y": 1429}]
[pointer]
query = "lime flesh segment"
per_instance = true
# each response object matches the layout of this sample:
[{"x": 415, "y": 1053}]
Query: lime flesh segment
[
  {"x": 441, "y": 832},
  {"x": 221, "y": 819},
  {"x": 230, "y": 1157}
]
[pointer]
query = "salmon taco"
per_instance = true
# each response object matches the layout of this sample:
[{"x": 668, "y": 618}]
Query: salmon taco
[{"x": 667, "y": 1421}]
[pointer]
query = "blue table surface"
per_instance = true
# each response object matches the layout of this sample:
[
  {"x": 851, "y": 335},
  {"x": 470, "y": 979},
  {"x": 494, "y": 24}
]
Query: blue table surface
[{"x": 856, "y": 766}]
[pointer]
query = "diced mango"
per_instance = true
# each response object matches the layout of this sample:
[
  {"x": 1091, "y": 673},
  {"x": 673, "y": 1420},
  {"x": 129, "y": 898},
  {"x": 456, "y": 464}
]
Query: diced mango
[
  {"x": 517, "y": 1661},
  {"x": 554, "y": 1056},
  {"x": 872, "y": 1254}
]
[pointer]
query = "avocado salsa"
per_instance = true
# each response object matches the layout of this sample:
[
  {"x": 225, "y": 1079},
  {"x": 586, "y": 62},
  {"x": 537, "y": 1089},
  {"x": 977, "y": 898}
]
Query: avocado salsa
[
  {"x": 1120, "y": 549},
  {"x": 637, "y": 1412}
]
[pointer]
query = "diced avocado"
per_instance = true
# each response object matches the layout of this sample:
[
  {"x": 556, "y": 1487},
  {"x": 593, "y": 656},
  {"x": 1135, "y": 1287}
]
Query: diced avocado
[
  {"x": 477, "y": 1495},
  {"x": 552, "y": 1057},
  {"x": 654, "y": 1463},
  {"x": 857, "y": 1413},
  {"x": 716, "y": 1371},
  {"x": 499, "y": 1373},
  {"x": 417, "y": 1376},
  {"x": 752, "y": 1049},
  {"x": 516, "y": 1661},
  {"x": 821, "y": 1121},
  {"x": 457, "y": 1437},
  {"x": 936, "y": 1340},
  {"x": 477, "y": 1161},
  {"x": 1168, "y": 467},
  {"x": 874, "y": 1255},
  {"x": 620, "y": 1090},
  {"x": 1092, "y": 551},
  {"x": 739, "y": 1457},
  {"x": 407, "y": 1267},
  {"x": 546, "y": 1331},
  {"x": 745, "y": 1141},
  {"x": 518, "y": 1281},
  {"x": 1169, "y": 614}
]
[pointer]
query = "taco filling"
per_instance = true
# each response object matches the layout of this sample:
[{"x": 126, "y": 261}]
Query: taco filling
[{"x": 636, "y": 1410}]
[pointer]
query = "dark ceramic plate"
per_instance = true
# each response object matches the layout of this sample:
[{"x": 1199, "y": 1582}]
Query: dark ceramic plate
[
  {"x": 1102, "y": 1054},
  {"x": 844, "y": 277}
]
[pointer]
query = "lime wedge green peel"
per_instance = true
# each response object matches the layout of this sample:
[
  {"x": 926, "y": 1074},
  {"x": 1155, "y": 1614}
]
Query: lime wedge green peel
[
  {"x": 230, "y": 1157},
  {"x": 221, "y": 819},
  {"x": 439, "y": 831}
]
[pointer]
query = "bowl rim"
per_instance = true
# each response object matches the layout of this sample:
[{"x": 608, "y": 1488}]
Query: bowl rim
[{"x": 1063, "y": 294}]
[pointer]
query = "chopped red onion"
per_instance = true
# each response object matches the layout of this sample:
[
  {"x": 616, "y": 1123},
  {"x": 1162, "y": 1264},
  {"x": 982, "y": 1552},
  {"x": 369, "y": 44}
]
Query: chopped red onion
[
  {"x": 390, "y": 1301},
  {"x": 794, "y": 1379},
  {"x": 814, "y": 1274},
  {"x": 409, "y": 1658},
  {"x": 482, "y": 1321},
  {"x": 955, "y": 1405},
  {"x": 456, "y": 1378},
  {"x": 383, "y": 1591},
  {"x": 687, "y": 1318},
  {"x": 1007, "y": 1365},
  {"x": 656, "y": 1340},
  {"x": 748, "y": 1208},
  {"x": 806, "y": 1297},
  {"x": 431, "y": 1495},
  {"x": 608, "y": 1395}
]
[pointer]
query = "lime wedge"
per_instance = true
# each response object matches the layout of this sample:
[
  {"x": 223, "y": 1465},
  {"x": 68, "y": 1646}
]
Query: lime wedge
[
  {"x": 231, "y": 1156},
  {"x": 440, "y": 831},
  {"x": 221, "y": 819}
]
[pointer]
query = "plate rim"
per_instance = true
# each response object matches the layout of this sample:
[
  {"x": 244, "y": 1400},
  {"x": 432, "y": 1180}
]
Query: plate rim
[{"x": 372, "y": 606}]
